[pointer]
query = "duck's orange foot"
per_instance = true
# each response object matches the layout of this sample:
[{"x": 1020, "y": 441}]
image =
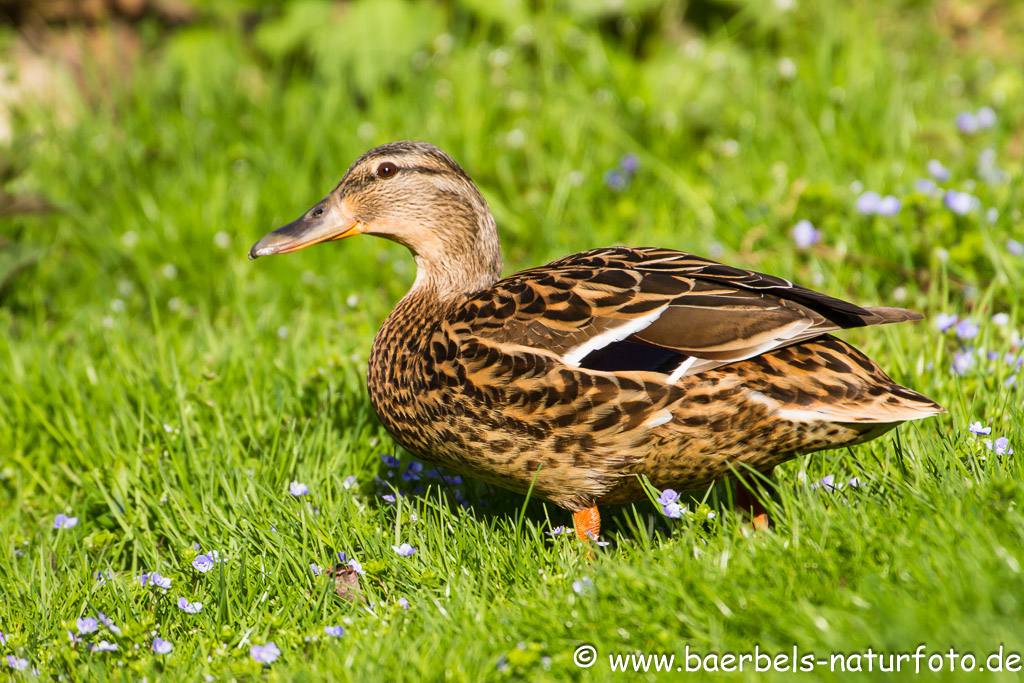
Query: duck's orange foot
[
  {"x": 750, "y": 505},
  {"x": 587, "y": 523}
]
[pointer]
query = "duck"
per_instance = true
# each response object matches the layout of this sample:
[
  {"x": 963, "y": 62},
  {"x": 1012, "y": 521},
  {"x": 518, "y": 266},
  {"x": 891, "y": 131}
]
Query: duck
[{"x": 576, "y": 380}]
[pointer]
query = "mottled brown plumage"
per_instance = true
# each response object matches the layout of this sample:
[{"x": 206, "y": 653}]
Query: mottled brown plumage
[{"x": 578, "y": 375}]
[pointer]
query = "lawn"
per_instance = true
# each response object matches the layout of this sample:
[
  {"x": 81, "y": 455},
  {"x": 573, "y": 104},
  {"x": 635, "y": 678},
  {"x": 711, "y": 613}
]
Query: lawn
[{"x": 205, "y": 420}]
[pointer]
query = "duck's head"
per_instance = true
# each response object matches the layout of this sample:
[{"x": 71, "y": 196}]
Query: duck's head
[{"x": 414, "y": 194}]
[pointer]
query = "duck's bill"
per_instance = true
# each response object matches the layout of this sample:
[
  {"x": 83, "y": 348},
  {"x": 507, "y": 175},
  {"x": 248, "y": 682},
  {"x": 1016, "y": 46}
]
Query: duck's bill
[{"x": 331, "y": 224}]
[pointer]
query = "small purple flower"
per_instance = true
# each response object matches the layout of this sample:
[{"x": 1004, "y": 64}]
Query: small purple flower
[
  {"x": 196, "y": 546},
  {"x": 1014, "y": 247},
  {"x": 86, "y": 625},
  {"x": 1001, "y": 446},
  {"x": 336, "y": 631},
  {"x": 190, "y": 607},
  {"x": 16, "y": 663},
  {"x": 3, "y": 638},
  {"x": 805, "y": 235},
  {"x": 104, "y": 646},
  {"x": 593, "y": 538},
  {"x": 925, "y": 186},
  {"x": 159, "y": 581},
  {"x": 403, "y": 603},
  {"x": 202, "y": 563},
  {"x": 1001, "y": 319},
  {"x": 265, "y": 654},
  {"x": 629, "y": 163},
  {"x": 342, "y": 557},
  {"x": 389, "y": 498},
  {"x": 963, "y": 361},
  {"x": 674, "y": 510},
  {"x": 960, "y": 203},
  {"x": 977, "y": 428},
  {"x": 143, "y": 579},
  {"x": 356, "y": 566},
  {"x": 316, "y": 569},
  {"x": 616, "y": 180},
  {"x": 391, "y": 461},
  {"x": 62, "y": 521},
  {"x": 404, "y": 550},
  {"x": 412, "y": 471},
  {"x": 826, "y": 482},
  {"x": 454, "y": 480},
  {"x": 109, "y": 623},
  {"x": 938, "y": 171},
  {"x": 73, "y": 638},
  {"x": 945, "y": 321},
  {"x": 584, "y": 585},
  {"x": 888, "y": 206},
  {"x": 668, "y": 496},
  {"x": 966, "y": 329},
  {"x": 867, "y": 203},
  {"x": 558, "y": 531},
  {"x": 298, "y": 489},
  {"x": 349, "y": 481},
  {"x": 985, "y": 118},
  {"x": 161, "y": 646},
  {"x": 966, "y": 122}
]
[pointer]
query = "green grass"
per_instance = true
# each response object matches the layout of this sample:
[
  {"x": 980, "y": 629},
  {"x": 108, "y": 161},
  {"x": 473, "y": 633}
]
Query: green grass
[{"x": 165, "y": 390}]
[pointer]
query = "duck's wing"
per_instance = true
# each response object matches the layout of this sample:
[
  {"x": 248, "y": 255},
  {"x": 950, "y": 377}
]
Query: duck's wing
[{"x": 662, "y": 310}]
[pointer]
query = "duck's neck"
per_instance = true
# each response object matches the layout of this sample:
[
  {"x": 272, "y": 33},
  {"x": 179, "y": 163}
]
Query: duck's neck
[{"x": 465, "y": 264}]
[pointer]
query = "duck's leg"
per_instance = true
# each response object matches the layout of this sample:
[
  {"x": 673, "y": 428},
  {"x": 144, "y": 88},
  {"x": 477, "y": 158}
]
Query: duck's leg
[
  {"x": 747, "y": 502},
  {"x": 587, "y": 523}
]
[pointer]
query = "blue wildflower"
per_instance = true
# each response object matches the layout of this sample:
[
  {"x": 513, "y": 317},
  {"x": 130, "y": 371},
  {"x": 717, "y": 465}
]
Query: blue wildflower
[
  {"x": 104, "y": 646},
  {"x": 558, "y": 531},
  {"x": 977, "y": 428},
  {"x": 668, "y": 496},
  {"x": 867, "y": 203},
  {"x": 159, "y": 581},
  {"x": 616, "y": 180},
  {"x": 161, "y": 646},
  {"x": 960, "y": 203},
  {"x": 298, "y": 489},
  {"x": 265, "y": 654},
  {"x": 629, "y": 163},
  {"x": 203, "y": 563},
  {"x": 405, "y": 550},
  {"x": 86, "y": 625},
  {"x": 109, "y": 623},
  {"x": 1001, "y": 319},
  {"x": 349, "y": 481},
  {"x": 945, "y": 321},
  {"x": 3, "y": 638},
  {"x": 888, "y": 206},
  {"x": 1001, "y": 446},
  {"x": 190, "y": 607},
  {"x": 62, "y": 521},
  {"x": 938, "y": 171},
  {"x": 454, "y": 480},
  {"x": 403, "y": 603},
  {"x": 1014, "y": 247},
  {"x": 336, "y": 631},
  {"x": 391, "y": 461},
  {"x": 356, "y": 566},
  {"x": 673, "y": 510},
  {"x": 966, "y": 329},
  {"x": 412, "y": 471},
  {"x": 963, "y": 361},
  {"x": 966, "y": 122},
  {"x": 925, "y": 186},
  {"x": 985, "y": 118},
  {"x": 16, "y": 663},
  {"x": 316, "y": 569},
  {"x": 805, "y": 235},
  {"x": 584, "y": 585}
]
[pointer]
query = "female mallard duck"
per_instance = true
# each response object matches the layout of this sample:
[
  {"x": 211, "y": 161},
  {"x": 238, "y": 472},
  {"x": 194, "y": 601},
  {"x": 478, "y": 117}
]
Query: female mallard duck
[{"x": 577, "y": 376}]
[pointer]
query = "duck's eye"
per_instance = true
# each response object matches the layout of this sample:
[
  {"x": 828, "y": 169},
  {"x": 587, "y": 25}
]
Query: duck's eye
[
  {"x": 317, "y": 212},
  {"x": 386, "y": 170}
]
